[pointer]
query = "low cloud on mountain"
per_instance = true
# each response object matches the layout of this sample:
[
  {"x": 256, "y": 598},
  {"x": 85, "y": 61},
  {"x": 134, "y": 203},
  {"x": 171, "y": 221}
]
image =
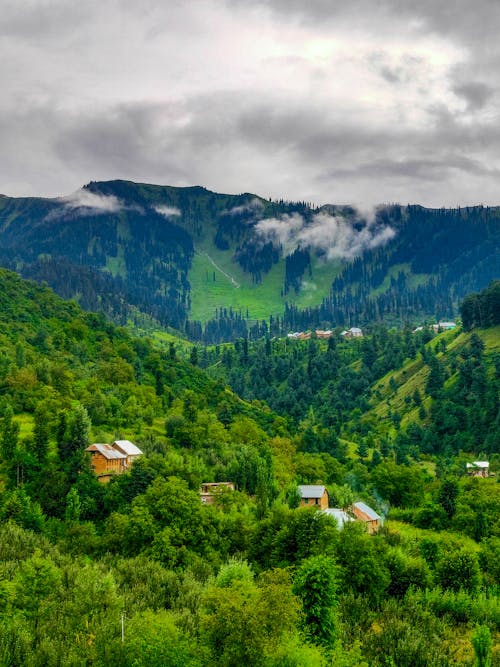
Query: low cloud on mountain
[
  {"x": 168, "y": 211},
  {"x": 333, "y": 235},
  {"x": 92, "y": 203}
]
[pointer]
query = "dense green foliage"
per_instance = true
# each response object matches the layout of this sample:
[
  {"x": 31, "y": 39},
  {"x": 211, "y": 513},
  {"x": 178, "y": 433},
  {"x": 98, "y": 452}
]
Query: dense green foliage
[
  {"x": 252, "y": 578},
  {"x": 483, "y": 309}
]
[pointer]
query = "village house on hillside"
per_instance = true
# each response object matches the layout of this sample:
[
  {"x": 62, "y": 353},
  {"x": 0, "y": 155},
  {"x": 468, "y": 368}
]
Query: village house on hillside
[
  {"x": 209, "y": 490},
  {"x": 353, "y": 332},
  {"x": 314, "y": 494},
  {"x": 443, "y": 326},
  {"x": 478, "y": 469},
  {"x": 362, "y": 512},
  {"x": 108, "y": 460},
  {"x": 440, "y": 326},
  {"x": 320, "y": 333},
  {"x": 299, "y": 335},
  {"x": 128, "y": 448}
]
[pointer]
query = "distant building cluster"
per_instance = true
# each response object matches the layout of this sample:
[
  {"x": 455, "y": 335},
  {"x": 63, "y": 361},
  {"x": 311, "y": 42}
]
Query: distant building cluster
[
  {"x": 109, "y": 460},
  {"x": 353, "y": 332},
  {"x": 440, "y": 326}
]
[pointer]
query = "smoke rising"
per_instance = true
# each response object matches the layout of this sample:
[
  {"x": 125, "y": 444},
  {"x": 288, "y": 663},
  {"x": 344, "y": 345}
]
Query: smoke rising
[{"x": 334, "y": 235}]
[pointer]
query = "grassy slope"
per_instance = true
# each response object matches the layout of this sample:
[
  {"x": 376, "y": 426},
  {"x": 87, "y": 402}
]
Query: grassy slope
[
  {"x": 261, "y": 300},
  {"x": 413, "y": 375}
]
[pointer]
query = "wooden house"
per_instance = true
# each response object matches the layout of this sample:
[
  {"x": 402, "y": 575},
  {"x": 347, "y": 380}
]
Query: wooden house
[
  {"x": 106, "y": 461},
  {"x": 362, "y": 512},
  {"x": 353, "y": 332},
  {"x": 209, "y": 490},
  {"x": 131, "y": 451},
  {"x": 443, "y": 326},
  {"x": 478, "y": 469},
  {"x": 314, "y": 495}
]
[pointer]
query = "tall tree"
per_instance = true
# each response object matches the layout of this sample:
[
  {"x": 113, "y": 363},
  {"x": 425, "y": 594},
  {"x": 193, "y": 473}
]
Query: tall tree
[{"x": 316, "y": 583}]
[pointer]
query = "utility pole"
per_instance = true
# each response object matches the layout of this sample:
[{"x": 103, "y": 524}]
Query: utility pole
[{"x": 123, "y": 627}]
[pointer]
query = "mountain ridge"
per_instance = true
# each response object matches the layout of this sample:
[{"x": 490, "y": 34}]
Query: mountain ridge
[{"x": 129, "y": 248}]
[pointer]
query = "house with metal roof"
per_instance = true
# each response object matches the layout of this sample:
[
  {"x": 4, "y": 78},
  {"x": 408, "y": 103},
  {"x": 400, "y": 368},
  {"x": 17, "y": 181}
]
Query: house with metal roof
[
  {"x": 128, "y": 448},
  {"x": 478, "y": 469},
  {"x": 363, "y": 512},
  {"x": 353, "y": 332},
  {"x": 106, "y": 461},
  {"x": 313, "y": 495},
  {"x": 340, "y": 516}
]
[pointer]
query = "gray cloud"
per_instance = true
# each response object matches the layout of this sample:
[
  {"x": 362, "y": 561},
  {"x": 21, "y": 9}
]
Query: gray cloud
[
  {"x": 475, "y": 93},
  {"x": 269, "y": 97}
]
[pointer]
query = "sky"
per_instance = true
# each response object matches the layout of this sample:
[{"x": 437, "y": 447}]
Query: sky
[{"x": 361, "y": 102}]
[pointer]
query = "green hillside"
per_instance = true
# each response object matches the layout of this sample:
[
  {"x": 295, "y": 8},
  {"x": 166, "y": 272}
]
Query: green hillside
[
  {"x": 395, "y": 391},
  {"x": 139, "y": 571}
]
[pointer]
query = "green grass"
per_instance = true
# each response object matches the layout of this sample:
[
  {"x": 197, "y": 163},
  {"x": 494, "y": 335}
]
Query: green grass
[
  {"x": 413, "y": 279},
  {"x": 163, "y": 339},
  {"x": 26, "y": 423},
  {"x": 216, "y": 281},
  {"x": 228, "y": 286},
  {"x": 116, "y": 265},
  {"x": 317, "y": 286}
]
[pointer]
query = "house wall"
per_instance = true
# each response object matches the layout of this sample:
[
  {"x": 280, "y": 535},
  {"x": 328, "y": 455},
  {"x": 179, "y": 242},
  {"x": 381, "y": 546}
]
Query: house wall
[
  {"x": 101, "y": 464},
  {"x": 478, "y": 472},
  {"x": 372, "y": 525},
  {"x": 322, "y": 502}
]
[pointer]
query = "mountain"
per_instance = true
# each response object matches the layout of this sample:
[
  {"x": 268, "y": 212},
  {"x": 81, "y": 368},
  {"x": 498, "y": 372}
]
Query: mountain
[{"x": 214, "y": 266}]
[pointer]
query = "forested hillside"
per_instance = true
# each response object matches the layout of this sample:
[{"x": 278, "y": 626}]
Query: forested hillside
[
  {"x": 252, "y": 578},
  {"x": 218, "y": 267}
]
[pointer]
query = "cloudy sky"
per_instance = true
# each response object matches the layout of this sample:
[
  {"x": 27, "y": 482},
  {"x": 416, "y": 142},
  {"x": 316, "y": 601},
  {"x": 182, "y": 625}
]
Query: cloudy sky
[{"x": 359, "y": 101}]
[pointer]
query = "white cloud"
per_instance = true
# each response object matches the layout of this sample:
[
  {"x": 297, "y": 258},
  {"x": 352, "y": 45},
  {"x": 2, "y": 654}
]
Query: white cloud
[
  {"x": 334, "y": 235},
  {"x": 91, "y": 202},
  {"x": 168, "y": 211},
  {"x": 253, "y": 206}
]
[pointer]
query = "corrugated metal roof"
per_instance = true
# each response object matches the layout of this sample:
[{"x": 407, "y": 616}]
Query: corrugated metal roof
[
  {"x": 106, "y": 450},
  {"x": 127, "y": 447},
  {"x": 311, "y": 490},
  {"x": 478, "y": 464},
  {"x": 363, "y": 507},
  {"x": 339, "y": 515}
]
